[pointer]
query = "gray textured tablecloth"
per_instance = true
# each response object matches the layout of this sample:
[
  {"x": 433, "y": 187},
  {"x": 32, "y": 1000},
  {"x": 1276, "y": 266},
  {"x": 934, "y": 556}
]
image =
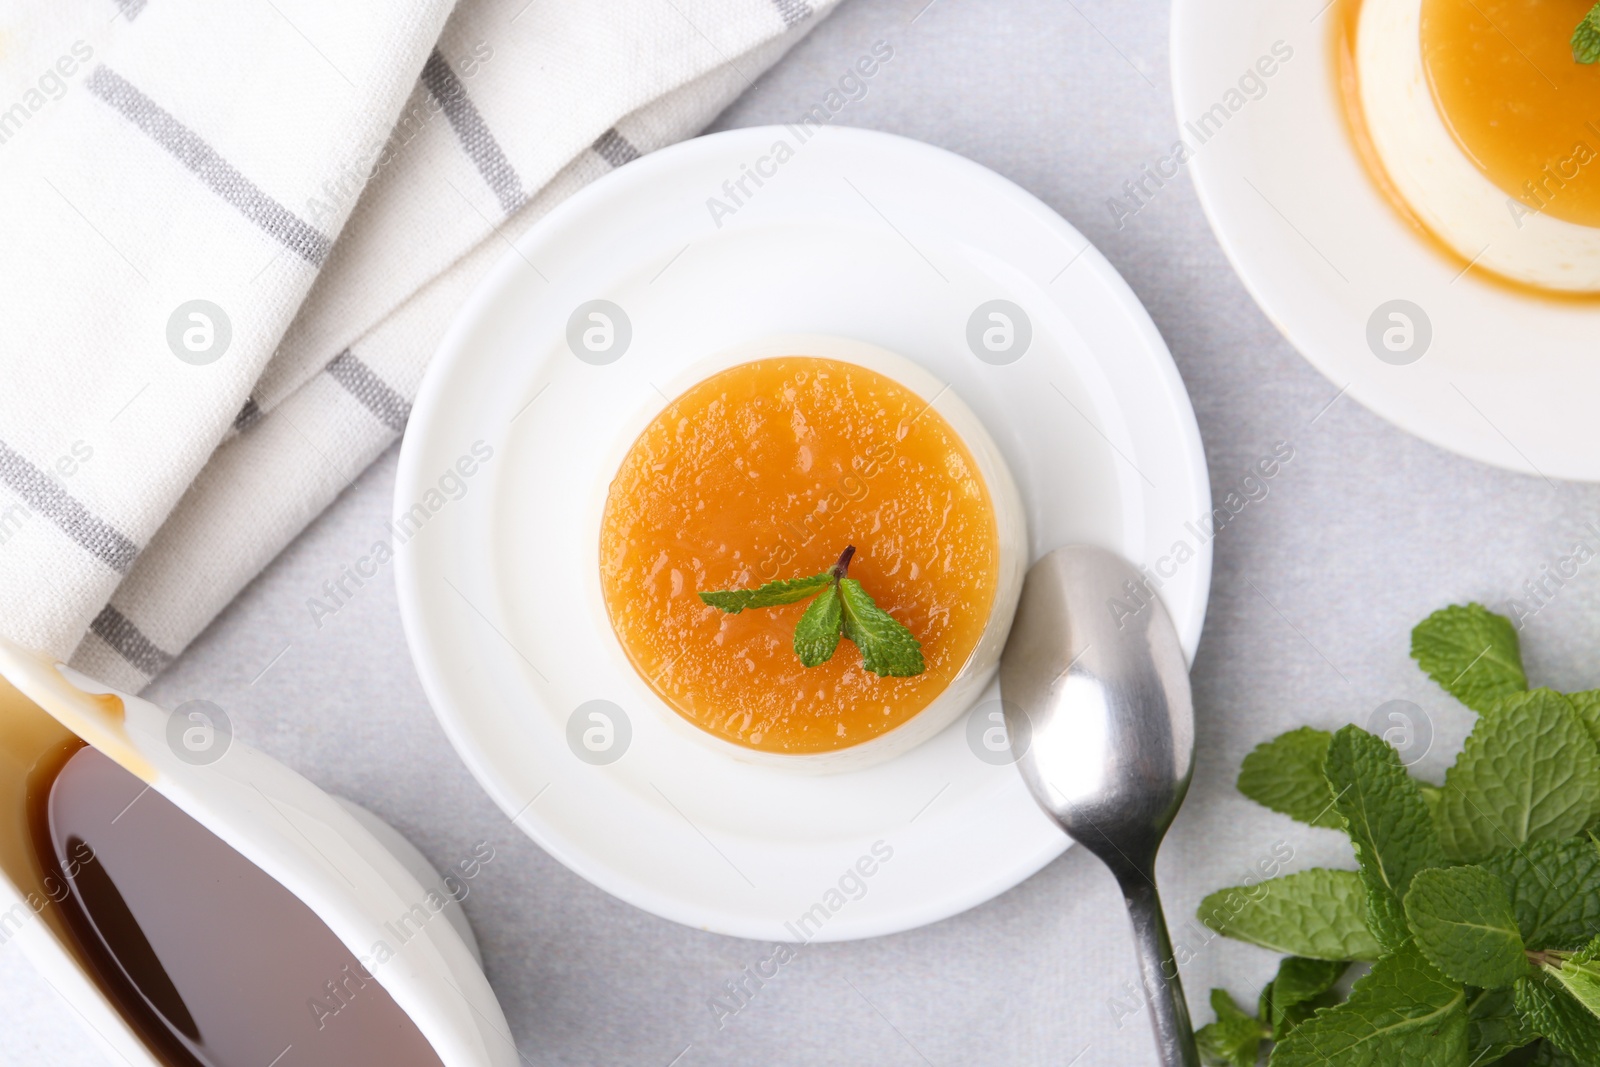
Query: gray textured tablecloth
[{"x": 1316, "y": 588}]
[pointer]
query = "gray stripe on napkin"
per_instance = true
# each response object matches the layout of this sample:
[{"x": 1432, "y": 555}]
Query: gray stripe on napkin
[
  {"x": 41, "y": 494},
  {"x": 793, "y": 11},
  {"x": 130, "y": 8},
  {"x": 248, "y": 415},
  {"x": 615, "y": 149},
  {"x": 296, "y": 234},
  {"x": 473, "y": 132},
  {"x": 129, "y": 642},
  {"x": 389, "y": 406}
]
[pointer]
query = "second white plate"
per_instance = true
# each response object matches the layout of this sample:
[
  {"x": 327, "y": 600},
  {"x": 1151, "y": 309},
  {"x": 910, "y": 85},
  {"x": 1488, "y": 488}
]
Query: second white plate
[
  {"x": 1492, "y": 373},
  {"x": 525, "y": 414}
]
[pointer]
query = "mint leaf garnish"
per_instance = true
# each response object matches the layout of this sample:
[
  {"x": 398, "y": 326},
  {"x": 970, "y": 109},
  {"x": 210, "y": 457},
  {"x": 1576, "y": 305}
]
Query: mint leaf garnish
[
  {"x": 1550, "y": 1010},
  {"x": 887, "y": 647},
  {"x": 842, "y": 607},
  {"x": 816, "y": 635},
  {"x": 1285, "y": 774},
  {"x": 1404, "y": 1012},
  {"x": 1318, "y": 913},
  {"x": 1388, "y": 823},
  {"x": 1470, "y": 651},
  {"x": 771, "y": 595},
  {"x": 1464, "y": 924},
  {"x": 1301, "y": 986},
  {"x": 1528, "y": 772},
  {"x": 1234, "y": 1040},
  {"x": 1586, "y": 37}
]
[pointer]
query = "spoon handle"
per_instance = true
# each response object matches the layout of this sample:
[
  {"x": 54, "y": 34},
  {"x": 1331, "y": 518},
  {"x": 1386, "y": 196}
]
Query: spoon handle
[{"x": 1169, "y": 1014}]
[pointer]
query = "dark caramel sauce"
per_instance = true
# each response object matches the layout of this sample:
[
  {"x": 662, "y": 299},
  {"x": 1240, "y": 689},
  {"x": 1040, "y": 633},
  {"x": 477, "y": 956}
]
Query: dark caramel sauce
[{"x": 209, "y": 959}]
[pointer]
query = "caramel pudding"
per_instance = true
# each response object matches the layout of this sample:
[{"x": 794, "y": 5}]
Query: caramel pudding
[
  {"x": 1483, "y": 129},
  {"x": 767, "y": 470}
]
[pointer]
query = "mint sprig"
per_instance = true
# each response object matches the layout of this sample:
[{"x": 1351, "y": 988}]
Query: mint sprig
[
  {"x": 1586, "y": 37},
  {"x": 1478, "y": 900},
  {"x": 841, "y": 608}
]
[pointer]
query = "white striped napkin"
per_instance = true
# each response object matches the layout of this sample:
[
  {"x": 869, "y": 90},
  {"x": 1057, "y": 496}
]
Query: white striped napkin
[{"x": 233, "y": 234}]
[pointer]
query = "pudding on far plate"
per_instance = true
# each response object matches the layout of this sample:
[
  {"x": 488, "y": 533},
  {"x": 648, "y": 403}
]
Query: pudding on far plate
[
  {"x": 812, "y": 558},
  {"x": 1479, "y": 123}
]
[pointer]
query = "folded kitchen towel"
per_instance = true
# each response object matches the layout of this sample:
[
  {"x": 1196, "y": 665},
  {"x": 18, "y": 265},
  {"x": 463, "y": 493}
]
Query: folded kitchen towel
[{"x": 233, "y": 234}]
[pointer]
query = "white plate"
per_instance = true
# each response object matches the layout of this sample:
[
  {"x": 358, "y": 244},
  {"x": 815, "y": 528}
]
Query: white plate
[
  {"x": 1507, "y": 379},
  {"x": 859, "y": 235}
]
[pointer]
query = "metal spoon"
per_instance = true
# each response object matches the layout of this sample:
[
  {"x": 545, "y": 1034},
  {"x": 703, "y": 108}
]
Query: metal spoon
[{"x": 1096, "y": 695}]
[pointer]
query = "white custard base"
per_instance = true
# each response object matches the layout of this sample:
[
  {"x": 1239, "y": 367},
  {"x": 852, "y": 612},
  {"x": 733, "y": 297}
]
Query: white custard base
[
  {"x": 1441, "y": 185},
  {"x": 1010, "y": 527}
]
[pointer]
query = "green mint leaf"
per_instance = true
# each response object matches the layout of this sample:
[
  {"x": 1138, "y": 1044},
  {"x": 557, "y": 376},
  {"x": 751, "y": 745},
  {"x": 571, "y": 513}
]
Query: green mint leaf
[
  {"x": 1285, "y": 774},
  {"x": 1587, "y": 705},
  {"x": 1579, "y": 975},
  {"x": 1430, "y": 796},
  {"x": 1493, "y": 1026},
  {"x": 1464, "y": 924},
  {"x": 816, "y": 635},
  {"x": 1404, "y": 1012},
  {"x": 1229, "y": 1045},
  {"x": 1318, "y": 913},
  {"x": 1586, "y": 37},
  {"x": 1555, "y": 891},
  {"x": 887, "y": 647},
  {"x": 1471, "y": 652},
  {"x": 771, "y": 595},
  {"x": 1527, "y": 772},
  {"x": 1228, "y": 1010},
  {"x": 1234, "y": 1040},
  {"x": 1548, "y": 1009},
  {"x": 842, "y": 607},
  {"x": 1301, "y": 986},
  {"x": 1544, "y": 1055},
  {"x": 1388, "y": 823}
]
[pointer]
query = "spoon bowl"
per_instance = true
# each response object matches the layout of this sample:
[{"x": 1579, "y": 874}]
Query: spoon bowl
[{"x": 1094, "y": 679}]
